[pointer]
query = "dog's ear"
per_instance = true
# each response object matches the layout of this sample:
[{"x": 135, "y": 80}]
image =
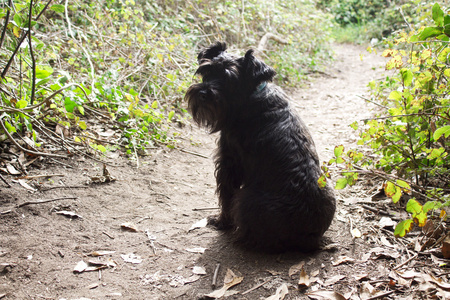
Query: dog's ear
[
  {"x": 256, "y": 70},
  {"x": 212, "y": 51}
]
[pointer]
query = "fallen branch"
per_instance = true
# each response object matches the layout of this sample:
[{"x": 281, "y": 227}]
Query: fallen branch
[
  {"x": 194, "y": 153},
  {"x": 205, "y": 208},
  {"x": 45, "y": 201},
  {"x": 40, "y": 176},
  {"x": 214, "y": 279},
  {"x": 406, "y": 261},
  {"x": 270, "y": 36},
  {"x": 376, "y": 210},
  {"x": 256, "y": 286}
]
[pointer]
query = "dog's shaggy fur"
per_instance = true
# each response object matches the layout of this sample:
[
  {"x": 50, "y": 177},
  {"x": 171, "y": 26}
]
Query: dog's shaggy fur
[{"x": 266, "y": 164}]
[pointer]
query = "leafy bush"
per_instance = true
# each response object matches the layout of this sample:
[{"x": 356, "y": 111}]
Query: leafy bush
[
  {"x": 126, "y": 64},
  {"x": 411, "y": 138},
  {"x": 360, "y": 21}
]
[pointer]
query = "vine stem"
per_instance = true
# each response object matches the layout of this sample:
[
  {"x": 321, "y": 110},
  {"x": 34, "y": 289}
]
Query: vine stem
[{"x": 33, "y": 61}]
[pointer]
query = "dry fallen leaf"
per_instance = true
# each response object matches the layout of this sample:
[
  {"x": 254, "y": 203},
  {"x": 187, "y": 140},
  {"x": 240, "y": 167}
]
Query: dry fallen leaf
[
  {"x": 386, "y": 222},
  {"x": 131, "y": 258},
  {"x": 367, "y": 290},
  {"x": 385, "y": 242},
  {"x": 12, "y": 170},
  {"x": 355, "y": 233},
  {"x": 303, "y": 281},
  {"x": 24, "y": 184},
  {"x": 200, "y": 224},
  {"x": 101, "y": 253},
  {"x": 199, "y": 270},
  {"x": 358, "y": 277},
  {"x": 196, "y": 250},
  {"x": 129, "y": 226},
  {"x": 281, "y": 292},
  {"x": 230, "y": 280},
  {"x": 333, "y": 280},
  {"x": 341, "y": 260},
  {"x": 383, "y": 252},
  {"x": 296, "y": 268},
  {"x": 69, "y": 214},
  {"x": 329, "y": 295},
  {"x": 446, "y": 247},
  {"x": 80, "y": 267}
]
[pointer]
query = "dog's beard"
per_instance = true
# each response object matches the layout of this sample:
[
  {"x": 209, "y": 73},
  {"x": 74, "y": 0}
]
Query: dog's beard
[{"x": 204, "y": 106}]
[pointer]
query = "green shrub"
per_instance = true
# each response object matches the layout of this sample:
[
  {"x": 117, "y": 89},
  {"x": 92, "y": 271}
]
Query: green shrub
[{"x": 411, "y": 138}]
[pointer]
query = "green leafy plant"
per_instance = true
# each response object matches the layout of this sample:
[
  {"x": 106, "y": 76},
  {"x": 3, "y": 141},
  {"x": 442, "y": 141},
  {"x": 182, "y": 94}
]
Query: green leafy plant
[
  {"x": 66, "y": 68},
  {"x": 411, "y": 137}
]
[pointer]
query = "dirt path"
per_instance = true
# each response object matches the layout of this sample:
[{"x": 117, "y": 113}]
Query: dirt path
[{"x": 39, "y": 248}]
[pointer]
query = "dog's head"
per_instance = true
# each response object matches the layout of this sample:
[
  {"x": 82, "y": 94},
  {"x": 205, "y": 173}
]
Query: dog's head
[{"x": 227, "y": 84}]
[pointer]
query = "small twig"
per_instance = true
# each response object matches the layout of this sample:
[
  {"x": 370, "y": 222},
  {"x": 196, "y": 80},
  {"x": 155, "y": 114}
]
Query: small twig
[
  {"x": 142, "y": 219},
  {"x": 256, "y": 286},
  {"x": 40, "y": 176},
  {"x": 45, "y": 201},
  {"x": 376, "y": 210},
  {"x": 373, "y": 102},
  {"x": 108, "y": 235},
  {"x": 406, "y": 261},
  {"x": 381, "y": 295},
  {"x": 4, "y": 180},
  {"x": 404, "y": 19},
  {"x": 23, "y": 149},
  {"x": 160, "y": 194},
  {"x": 63, "y": 187},
  {"x": 5, "y": 26},
  {"x": 19, "y": 43},
  {"x": 205, "y": 208},
  {"x": 5, "y": 212},
  {"x": 151, "y": 240},
  {"x": 193, "y": 153},
  {"x": 214, "y": 279}
]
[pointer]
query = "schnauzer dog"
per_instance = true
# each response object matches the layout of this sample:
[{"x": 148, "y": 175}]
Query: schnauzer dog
[{"x": 266, "y": 163}]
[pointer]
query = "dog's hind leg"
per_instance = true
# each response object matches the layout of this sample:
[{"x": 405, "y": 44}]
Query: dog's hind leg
[{"x": 229, "y": 179}]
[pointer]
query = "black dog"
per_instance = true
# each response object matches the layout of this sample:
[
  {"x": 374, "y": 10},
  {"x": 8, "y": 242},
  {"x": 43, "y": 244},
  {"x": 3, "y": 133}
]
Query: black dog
[{"x": 266, "y": 165}]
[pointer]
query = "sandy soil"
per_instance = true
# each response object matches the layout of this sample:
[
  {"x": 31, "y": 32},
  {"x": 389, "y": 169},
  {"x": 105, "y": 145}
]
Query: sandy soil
[{"x": 163, "y": 197}]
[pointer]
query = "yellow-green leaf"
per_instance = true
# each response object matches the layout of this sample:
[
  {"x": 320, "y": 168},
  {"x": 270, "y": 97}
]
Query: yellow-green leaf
[
  {"x": 403, "y": 228},
  {"x": 395, "y": 95},
  {"x": 341, "y": 183},
  {"x": 338, "y": 150},
  {"x": 82, "y": 125}
]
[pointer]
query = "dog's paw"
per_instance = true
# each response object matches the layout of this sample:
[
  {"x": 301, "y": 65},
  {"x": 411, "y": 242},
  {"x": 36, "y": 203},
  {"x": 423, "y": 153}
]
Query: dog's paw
[{"x": 219, "y": 223}]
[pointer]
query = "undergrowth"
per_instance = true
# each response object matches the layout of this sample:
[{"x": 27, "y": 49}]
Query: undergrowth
[
  {"x": 100, "y": 75},
  {"x": 410, "y": 139}
]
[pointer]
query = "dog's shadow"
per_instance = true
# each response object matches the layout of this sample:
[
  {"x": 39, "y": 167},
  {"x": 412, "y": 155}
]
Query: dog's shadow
[{"x": 254, "y": 267}]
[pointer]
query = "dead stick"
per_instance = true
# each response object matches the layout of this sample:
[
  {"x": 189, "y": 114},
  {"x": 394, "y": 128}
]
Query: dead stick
[
  {"x": 40, "y": 176},
  {"x": 108, "y": 235},
  {"x": 381, "y": 295},
  {"x": 375, "y": 210},
  {"x": 194, "y": 153},
  {"x": 406, "y": 261},
  {"x": 214, "y": 280},
  {"x": 205, "y": 208},
  {"x": 4, "y": 180},
  {"x": 256, "y": 286},
  {"x": 45, "y": 201},
  {"x": 64, "y": 187}
]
